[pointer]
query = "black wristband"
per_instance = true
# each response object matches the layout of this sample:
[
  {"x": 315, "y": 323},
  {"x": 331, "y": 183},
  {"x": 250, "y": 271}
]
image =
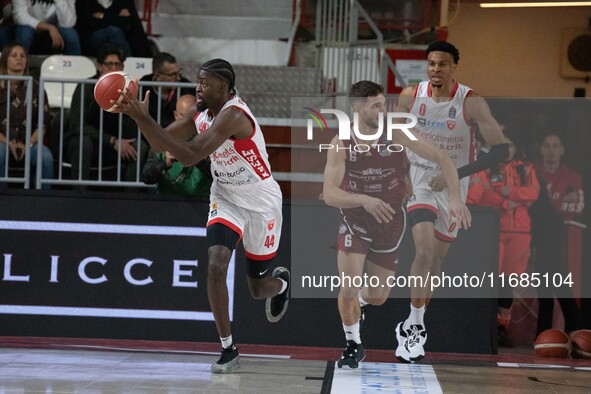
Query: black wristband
[{"x": 498, "y": 153}]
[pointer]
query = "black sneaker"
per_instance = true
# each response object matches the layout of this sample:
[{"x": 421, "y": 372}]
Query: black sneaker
[
  {"x": 276, "y": 306},
  {"x": 228, "y": 362},
  {"x": 352, "y": 355}
]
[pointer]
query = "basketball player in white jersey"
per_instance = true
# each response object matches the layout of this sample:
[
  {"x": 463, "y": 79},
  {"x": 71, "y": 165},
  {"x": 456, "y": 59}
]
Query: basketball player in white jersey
[
  {"x": 448, "y": 114},
  {"x": 245, "y": 201}
]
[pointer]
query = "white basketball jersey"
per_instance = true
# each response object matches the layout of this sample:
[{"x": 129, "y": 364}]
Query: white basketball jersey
[
  {"x": 443, "y": 124},
  {"x": 237, "y": 162}
]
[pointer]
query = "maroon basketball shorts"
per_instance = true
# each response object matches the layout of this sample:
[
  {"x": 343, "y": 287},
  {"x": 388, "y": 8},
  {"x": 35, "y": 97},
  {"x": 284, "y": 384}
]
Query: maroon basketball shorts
[{"x": 379, "y": 242}]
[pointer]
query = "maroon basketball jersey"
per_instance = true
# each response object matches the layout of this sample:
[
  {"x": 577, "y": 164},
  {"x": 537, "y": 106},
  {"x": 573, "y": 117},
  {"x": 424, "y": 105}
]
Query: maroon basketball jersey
[{"x": 378, "y": 172}]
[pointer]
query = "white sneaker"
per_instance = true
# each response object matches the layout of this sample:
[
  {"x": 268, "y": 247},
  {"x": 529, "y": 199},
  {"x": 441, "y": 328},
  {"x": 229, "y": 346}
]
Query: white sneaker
[
  {"x": 410, "y": 342},
  {"x": 401, "y": 337},
  {"x": 417, "y": 337}
]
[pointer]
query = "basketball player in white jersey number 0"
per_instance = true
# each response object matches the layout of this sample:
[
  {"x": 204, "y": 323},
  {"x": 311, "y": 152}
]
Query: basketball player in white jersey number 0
[
  {"x": 245, "y": 201},
  {"x": 447, "y": 114}
]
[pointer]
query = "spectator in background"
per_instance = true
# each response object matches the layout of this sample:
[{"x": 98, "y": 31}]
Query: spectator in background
[
  {"x": 46, "y": 26},
  {"x": 558, "y": 235},
  {"x": 163, "y": 99},
  {"x": 548, "y": 239},
  {"x": 98, "y": 24},
  {"x": 110, "y": 58},
  {"x": 116, "y": 22},
  {"x": 183, "y": 104},
  {"x": 13, "y": 97},
  {"x": 510, "y": 186},
  {"x": 6, "y": 24},
  {"x": 169, "y": 175}
]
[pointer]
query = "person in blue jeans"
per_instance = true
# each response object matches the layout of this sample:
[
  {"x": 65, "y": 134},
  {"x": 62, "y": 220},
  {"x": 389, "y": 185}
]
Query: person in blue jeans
[
  {"x": 102, "y": 22},
  {"x": 13, "y": 102},
  {"x": 46, "y": 26}
]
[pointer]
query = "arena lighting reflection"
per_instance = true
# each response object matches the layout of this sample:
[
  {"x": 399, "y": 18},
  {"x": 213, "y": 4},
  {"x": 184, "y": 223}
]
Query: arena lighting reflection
[{"x": 537, "y": 4}]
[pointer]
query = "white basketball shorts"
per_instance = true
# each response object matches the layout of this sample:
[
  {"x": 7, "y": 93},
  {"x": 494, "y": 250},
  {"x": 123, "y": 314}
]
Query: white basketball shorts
[
  {"x": 253, "y": 212},
  {"x": 437, "y": 202}
]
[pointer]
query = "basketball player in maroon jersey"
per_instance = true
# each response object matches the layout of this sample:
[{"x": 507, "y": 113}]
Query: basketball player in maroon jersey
[
  {"x": 245, "y": 201},
  {"x": 369, "y": 186},
  {"x": 447, "y": 114}
]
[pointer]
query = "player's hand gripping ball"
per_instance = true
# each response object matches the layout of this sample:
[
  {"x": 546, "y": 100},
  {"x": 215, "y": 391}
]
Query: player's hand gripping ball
[{"x": 106, "y": 89}]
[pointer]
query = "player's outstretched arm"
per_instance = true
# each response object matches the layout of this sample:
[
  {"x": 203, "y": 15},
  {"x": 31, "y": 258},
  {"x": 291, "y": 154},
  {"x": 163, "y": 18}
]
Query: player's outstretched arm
[
  {"x": 158, "y": 138},
  {"x": 333, "y": 195},
  {"x": 229, "y": 122},
  {"x": 478, "y": 112}
]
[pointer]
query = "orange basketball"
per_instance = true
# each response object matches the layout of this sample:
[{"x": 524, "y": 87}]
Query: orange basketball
[
  {"x": 106, "y": 89},
  {"x": 553, "y": 343},
  {"x": 581, "y": 340}
]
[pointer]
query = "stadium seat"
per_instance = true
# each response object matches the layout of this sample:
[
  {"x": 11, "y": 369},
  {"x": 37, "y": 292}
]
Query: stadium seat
[
  {"x": 65, "y": 68},
  {"x": 137, "y": 67}
]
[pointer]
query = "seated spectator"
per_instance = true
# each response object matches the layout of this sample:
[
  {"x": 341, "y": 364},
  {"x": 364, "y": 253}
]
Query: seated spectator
[
  {"x": 46, "y": 26},
  {"x": 110, "y": 58},
  {"x": 14, "y": 61},
  {"x": 165, "y": 69},
  {"x": 6, "y": 24},
  {"x": 169, "y": 176},
  {"x": 183, "y": 104},
  {"x": 116, "y": 22}
]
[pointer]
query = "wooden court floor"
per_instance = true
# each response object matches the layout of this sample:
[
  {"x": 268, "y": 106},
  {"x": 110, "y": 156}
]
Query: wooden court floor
[{"x": 29, "y": 365}]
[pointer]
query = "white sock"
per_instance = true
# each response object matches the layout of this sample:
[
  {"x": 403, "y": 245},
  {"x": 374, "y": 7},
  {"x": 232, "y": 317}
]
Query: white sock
[
  {"x": 415, "y": 317},
  {"x": 362, "y": 302},
  {"x": 227, "y": 341},
  {"x": 283, "y": 286},
  {"x": 352, "y": 332}
]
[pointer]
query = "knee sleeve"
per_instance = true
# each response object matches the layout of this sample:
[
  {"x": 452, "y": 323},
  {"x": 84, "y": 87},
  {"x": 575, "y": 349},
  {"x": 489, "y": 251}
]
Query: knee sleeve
[{"x": 258, "y": 269}]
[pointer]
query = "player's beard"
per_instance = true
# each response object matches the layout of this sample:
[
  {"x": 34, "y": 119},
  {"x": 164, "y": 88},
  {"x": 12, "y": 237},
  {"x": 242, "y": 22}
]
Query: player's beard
[{"x": 438, "y": 86}]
